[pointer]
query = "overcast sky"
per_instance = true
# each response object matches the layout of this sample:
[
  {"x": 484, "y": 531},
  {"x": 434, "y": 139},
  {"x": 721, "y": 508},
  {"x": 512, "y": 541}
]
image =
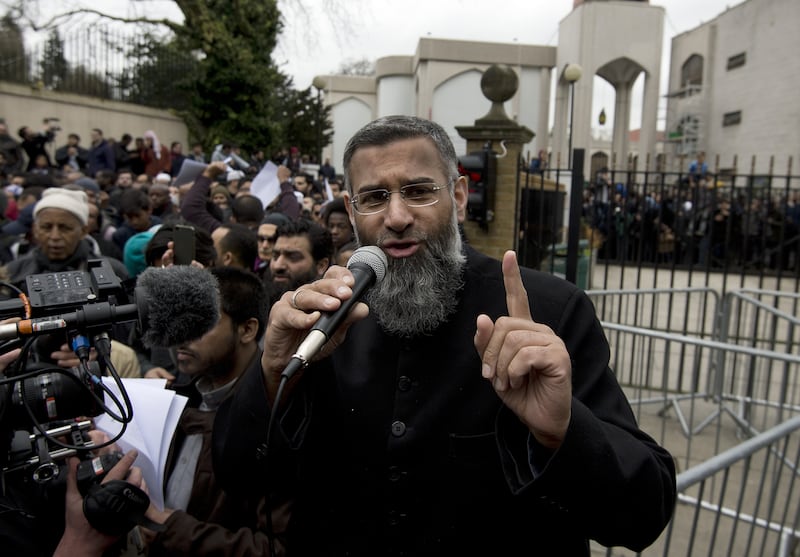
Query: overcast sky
[
  {"x": 320, "y": 35},
  {"x": 318, "y": 42}
]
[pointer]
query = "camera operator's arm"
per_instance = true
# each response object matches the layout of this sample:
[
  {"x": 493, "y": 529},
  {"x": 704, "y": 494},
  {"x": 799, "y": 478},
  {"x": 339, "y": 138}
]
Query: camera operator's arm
[
  {"x": 50, "y": 127},
  {"x": 79, "y": 537}
]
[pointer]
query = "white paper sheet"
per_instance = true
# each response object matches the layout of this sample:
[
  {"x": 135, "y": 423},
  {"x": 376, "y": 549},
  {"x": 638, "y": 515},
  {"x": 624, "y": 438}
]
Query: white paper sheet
[{"x": 156, "y": 412}]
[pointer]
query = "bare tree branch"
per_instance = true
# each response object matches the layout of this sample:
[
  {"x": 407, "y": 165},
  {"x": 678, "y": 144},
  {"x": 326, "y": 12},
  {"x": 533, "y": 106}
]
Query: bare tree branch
[{"x": 54, "y": 21}]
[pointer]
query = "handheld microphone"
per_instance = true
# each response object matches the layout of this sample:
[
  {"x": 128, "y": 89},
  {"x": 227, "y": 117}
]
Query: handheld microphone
[
  {"x": 171, "y": 305},
  {"x": 368, "y": 265}
]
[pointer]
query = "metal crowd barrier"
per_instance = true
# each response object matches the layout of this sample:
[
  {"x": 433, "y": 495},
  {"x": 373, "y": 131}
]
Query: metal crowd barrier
[
  {"x": 718, "y": 384},
  {"x": 741, "y": 502},
  {"x": 764, "y": 389}
]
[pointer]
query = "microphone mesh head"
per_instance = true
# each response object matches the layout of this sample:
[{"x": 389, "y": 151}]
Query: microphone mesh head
[{"x": 372, "y": 256}]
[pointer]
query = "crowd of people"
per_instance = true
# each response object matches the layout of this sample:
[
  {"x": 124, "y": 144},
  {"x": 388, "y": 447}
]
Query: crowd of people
[
  {"x": 467, "y": 407},
  {"x": 695, "y": 221}
]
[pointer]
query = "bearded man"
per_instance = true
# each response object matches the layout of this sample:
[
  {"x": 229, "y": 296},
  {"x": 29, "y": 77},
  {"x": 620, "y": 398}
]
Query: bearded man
[
  {"x": 199, "y": 518},
  {"x": 301, "y": 253},
  {"x": 469, "y": 410}
]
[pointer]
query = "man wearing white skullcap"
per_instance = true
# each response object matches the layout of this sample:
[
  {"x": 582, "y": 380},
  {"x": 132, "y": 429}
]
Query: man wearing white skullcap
[{"x": 60, "y": 226}]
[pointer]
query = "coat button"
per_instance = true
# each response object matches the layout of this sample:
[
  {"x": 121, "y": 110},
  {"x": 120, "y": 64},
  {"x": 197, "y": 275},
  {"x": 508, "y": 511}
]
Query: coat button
[
  {"x": 398, "y": 428},
  {"x": 395, "y": 473},
  {"x": 404, "y": 383}
]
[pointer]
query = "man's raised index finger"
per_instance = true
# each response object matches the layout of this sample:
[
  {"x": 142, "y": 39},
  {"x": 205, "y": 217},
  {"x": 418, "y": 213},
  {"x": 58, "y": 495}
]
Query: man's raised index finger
[{"x": 516, "y": 295}]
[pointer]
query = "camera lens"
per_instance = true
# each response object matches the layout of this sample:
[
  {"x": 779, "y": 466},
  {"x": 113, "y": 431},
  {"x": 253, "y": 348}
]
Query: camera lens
[{"x": 53, "y": 396}]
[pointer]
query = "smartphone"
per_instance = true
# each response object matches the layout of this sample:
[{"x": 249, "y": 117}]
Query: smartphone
[{"x": 183, "y": 244}]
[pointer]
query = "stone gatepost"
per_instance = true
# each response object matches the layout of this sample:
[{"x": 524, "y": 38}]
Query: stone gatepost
[{"x": 505, "y": 139}]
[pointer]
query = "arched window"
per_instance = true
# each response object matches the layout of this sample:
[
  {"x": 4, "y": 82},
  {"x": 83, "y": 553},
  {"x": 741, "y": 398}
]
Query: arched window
[{"x": 692, "y": 72}]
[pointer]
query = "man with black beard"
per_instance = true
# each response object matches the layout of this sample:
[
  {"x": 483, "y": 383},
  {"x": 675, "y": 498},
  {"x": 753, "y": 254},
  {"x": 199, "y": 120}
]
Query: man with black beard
[
  {"x": 468, "y": 410},
  {"x": 301, "y": 254}
]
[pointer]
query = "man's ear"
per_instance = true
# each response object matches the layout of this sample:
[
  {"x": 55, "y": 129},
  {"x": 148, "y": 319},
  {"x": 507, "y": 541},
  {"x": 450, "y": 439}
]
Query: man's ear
[
  {"x": 248, "y": 330},
  {"x": 349, "y": 208},
  {"x": 461, "y": 195},
  {"x": 322, "y": 266}
]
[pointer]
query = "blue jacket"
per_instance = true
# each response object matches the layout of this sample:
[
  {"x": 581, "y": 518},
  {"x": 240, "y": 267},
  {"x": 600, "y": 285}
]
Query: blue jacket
[{"x": 101, "y": 157}]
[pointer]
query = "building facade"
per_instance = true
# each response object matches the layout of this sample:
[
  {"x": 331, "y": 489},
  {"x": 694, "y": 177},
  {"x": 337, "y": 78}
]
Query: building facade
[
  {"x": 441, "y": 82},
  {"x": 733, "y": 89}
]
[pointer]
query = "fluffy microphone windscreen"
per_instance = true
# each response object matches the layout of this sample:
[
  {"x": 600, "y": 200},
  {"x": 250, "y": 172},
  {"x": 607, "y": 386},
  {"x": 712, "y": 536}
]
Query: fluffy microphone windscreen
[{"x": 177, "y": 304}]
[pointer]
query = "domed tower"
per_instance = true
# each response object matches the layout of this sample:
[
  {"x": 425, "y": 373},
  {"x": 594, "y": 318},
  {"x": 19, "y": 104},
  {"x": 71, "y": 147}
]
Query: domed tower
[{"x": 617, "y": 40}]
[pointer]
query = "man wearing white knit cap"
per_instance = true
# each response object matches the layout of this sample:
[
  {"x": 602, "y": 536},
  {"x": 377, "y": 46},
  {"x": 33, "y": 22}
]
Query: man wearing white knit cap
[{"x": 60, "y": 226}]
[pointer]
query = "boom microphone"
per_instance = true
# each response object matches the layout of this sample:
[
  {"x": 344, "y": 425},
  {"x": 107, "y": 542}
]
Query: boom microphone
[
  {"x": 171, "y": 305},
  {"x": 368, "y": 265},
  {"x": 181, "y": 304}
]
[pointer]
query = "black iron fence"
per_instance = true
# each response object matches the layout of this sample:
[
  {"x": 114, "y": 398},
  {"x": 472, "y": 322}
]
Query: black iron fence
[
  {"x": 103, "y": 62},
  {"x": 731, "y": 224}
]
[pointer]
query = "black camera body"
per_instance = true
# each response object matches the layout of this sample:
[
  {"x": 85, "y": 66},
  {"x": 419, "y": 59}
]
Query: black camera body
[
  {"x": 55, "y": 293},
  {"x": 46, "y": 411},
  {"x": 44, "y": 396}
]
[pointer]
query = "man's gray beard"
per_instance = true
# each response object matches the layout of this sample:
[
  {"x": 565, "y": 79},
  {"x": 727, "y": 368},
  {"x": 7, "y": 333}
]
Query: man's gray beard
[{"x": 418, "y": 293}]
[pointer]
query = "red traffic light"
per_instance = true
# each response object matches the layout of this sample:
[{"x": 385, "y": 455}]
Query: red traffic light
[{"x": 473, "y": 175}]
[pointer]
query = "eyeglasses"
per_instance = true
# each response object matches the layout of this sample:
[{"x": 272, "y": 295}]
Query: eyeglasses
[
  {"x": 414, "y": 195},
  {"x": 269, "y": 239}
]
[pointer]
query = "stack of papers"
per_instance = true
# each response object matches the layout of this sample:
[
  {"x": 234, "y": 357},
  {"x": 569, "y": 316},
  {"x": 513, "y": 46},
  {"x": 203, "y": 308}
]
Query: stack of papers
[{"x": 156, "y": 411}]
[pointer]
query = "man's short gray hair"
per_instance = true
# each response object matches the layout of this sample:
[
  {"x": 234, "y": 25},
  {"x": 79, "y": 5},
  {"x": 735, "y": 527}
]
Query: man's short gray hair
[{"x": 389, "y": 129}]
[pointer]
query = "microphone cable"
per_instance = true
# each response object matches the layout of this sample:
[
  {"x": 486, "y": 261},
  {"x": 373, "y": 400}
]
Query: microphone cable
[
  {"x": 80, "y": 347},
  {"x": 264, "y": 453}
]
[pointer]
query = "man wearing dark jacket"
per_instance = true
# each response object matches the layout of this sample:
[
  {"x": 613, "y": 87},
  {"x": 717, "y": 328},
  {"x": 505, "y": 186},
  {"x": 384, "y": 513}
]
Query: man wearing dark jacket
[
  {"x": 469, "y": 411},
  {"x": 101, "y": 154},
  {"x": 200, "y": 519},
  {"x": 34, "y": 143},
  {"x": 72, "y": 155},
  {"x": 11, "y": 149}
]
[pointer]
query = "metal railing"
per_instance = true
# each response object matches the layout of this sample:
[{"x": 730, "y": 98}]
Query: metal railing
[
  {"x": 105, "y": 62},
  {"x": 716, "y": 380},
  {"x": 743, "y": 501}
]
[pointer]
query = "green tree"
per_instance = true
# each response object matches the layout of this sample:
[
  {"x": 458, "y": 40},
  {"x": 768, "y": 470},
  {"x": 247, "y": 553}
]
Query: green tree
[
  {"x": 237, "y": 92},
  {"x": 162, "y": 74},
  {"x": 84, "y": 81},
  {"x": 238, "y": 84},
  {"x": 53, "y": 66},
  {"x": 308, "y": 122},
  {"x": 13, "y": 59}
]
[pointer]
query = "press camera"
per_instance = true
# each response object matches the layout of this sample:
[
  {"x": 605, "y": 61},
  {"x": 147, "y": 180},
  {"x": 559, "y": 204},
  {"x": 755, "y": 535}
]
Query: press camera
[{"x": 45, "y": 410}]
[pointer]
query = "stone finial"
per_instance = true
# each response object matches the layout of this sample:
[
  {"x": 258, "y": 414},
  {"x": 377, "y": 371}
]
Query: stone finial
[{"x": 499, "y": 83}]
